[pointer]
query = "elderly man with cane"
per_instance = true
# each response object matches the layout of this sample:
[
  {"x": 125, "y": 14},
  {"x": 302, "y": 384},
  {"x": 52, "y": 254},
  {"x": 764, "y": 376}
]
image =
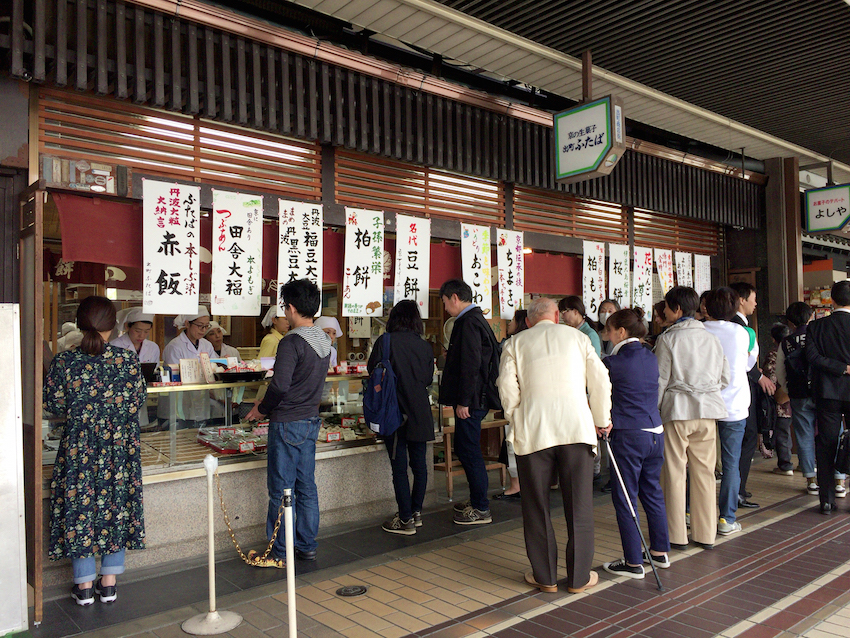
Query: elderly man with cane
[{"x": 557, "y": 396}]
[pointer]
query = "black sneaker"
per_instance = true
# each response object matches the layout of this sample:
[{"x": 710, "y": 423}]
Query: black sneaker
[
  {"x": 417, "y": 519},
  {"x": 395, "y": 525},
  {"x": 459, "y": 507},
  {"x": 472, "y": 516},
  {"x": 84, "y": 597},
  {"x": 107, "y": 594},
  {"x": 621, "y": 568}
]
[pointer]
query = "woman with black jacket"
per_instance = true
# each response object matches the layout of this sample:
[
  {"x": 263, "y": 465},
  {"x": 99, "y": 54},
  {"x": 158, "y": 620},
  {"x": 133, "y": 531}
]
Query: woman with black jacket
[{"x": 412, "y": 360}]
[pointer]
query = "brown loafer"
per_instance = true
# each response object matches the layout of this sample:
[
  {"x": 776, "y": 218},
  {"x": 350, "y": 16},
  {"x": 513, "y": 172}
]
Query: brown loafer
[
  {"x": 594, "y": 579},
  {"x": 549, "y": 589}
]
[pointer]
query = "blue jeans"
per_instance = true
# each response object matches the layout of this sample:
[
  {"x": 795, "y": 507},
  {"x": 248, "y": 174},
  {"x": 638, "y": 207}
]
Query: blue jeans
[
  {"x": 803, "y": 420},
  {"x": 468, "y": 452},
  {"x": 292, "y": 465},
  {"x": 398, "y": 449},
  {"x": 731, "y": 437},
  {"x": 85, "y": 569}
]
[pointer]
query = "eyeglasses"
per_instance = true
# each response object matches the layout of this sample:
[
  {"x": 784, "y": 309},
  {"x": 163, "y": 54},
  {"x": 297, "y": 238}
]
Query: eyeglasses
[{"x": 204, "y": 326}]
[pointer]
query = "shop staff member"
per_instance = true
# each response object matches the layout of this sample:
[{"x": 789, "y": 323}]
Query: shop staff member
[
  {"x": 71, "y": 337},
  {"x": 330, "y": 326},
  {"x": 137, "y": 329},
  {"x": 215, "y": 335},
  {"x": 193, "y": 408},
  {"x": 278, "y": 326}
]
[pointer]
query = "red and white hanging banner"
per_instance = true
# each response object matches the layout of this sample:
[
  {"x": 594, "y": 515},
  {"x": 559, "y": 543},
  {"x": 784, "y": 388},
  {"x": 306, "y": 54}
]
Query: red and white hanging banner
[
  {"x": 642, "y": 278},
  {"x": 593, "y": 277},
  {"x": 363, "y": 278},
  {"x": 413, "y": 261},
  {"x": 511, "y": 261},
  {"x": 664, "y": 264},
  {"x": 475, "y": 262},
  {"x": 618, "y": 274},
  {"x": 300, "y": 244},
  {"x": 237, "y": 250}
]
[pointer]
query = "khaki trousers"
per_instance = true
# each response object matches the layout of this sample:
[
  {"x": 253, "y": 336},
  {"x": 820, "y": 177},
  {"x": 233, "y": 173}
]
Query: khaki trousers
[{"x": 690, "y": 450}]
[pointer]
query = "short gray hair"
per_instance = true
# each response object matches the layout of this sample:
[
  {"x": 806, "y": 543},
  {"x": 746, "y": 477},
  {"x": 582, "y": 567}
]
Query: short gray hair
[{"x": 539, "y": 308}]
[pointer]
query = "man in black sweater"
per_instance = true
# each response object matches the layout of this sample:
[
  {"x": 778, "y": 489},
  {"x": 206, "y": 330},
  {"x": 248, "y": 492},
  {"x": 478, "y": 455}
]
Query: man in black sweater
[
  {"x": 469, "y": 386},
  {"x": 292, "y": 404},
  {"x": 828, "y": 354}
]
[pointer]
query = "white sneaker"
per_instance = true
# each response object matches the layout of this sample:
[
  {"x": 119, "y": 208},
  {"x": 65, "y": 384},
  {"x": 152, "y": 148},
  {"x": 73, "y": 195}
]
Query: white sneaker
[
  {"x": 724, "y": 528},
  {"x": 812, "y": 487},
  {"x": 840, "y": 490}
]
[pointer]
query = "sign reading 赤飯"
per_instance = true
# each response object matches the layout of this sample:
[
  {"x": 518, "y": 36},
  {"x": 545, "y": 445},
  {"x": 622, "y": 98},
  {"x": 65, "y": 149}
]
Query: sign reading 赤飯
[
  {"x": 827, "y": 208},
  {"x": 589, "y": 140}
]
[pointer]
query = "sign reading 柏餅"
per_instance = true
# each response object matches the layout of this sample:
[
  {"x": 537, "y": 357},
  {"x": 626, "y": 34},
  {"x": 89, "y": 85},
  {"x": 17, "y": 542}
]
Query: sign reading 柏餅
[
  {"x": 300, "y": 245},
  {"x": 618, "y": 274},
  {"x": 702, "y": 273},
  {"x": 827, "y": 208},
  {"x": 589, "y": 140},
  {"x": 171, "y": 245},
  {"x": 413, "y": 261},
  {"x": 511, "y": 261},
  {"x": 642, "y": 277},
  {"x": 684, "y": 269},
  {"x": 237, "y": 250},
  {"x": 475, "y": 262},
  {"x": 363, "y": 279},
  {"x": 593, "y": 277},
  {"x": 664, "y": 265}
]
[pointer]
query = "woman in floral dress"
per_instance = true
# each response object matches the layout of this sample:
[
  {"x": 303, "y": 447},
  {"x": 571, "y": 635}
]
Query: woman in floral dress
[{"x": 96, "y": 490}]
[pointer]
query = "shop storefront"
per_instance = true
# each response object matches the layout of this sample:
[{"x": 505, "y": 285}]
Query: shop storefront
[{"x": 263, "y": 114}]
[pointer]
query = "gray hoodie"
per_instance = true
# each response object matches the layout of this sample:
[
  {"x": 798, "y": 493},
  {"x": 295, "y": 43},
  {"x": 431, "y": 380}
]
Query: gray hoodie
[{"x": 692, "y": 371}]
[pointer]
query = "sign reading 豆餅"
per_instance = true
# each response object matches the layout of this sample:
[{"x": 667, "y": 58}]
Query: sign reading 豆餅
[
  {"x": 363, "y": 279},
  {"x": 642, "y": 277},
  {"x": 300, "y": 244},
  {"x": 827, "y": 208},
  {"x": 413, "y": 261},
  {"x": 664, "y": 264},
  {"x": 619, "y": 288},
  {"x": 511, "y": 261},
  {"x": 702, "y": 273},
  {"x": 593, "y": 277},
  {"x": 237, "y": 250},
  {"x": 590, "y": 139},
  {"x": 171, "y": 245},
  {"x": 475, "y": 263},
  {"x": 684, "y": 270}
]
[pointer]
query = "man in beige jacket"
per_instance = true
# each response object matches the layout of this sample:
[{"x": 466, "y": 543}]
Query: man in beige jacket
[{"x": 556, "y": 393}]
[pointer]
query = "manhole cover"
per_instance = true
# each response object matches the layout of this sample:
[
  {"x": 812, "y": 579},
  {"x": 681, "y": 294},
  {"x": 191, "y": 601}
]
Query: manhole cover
[{"x": 351, "y": 590}]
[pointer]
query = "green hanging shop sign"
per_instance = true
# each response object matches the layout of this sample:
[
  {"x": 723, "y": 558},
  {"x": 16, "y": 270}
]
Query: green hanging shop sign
[{"x": 590, "y": 139}]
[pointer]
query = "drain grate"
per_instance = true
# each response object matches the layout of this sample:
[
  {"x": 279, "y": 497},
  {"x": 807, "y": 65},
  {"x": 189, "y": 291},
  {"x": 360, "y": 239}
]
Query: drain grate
[{"x": 351, "y": 590}]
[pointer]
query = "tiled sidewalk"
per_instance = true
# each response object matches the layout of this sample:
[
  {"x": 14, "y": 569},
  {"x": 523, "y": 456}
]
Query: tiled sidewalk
[{"x": 786, "y": 575}]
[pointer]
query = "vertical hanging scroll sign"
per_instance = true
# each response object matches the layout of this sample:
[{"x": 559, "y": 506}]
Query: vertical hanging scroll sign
[
  {"x": 413, "y": 261},
  {"x": 642, "y": 288},
  {"x": 363, "y": 277},
  {"x": 171, "y": 246},
  {"x": 618, "y": 274},
  {"x": 593, "y": 278},
  {"x": 300, "y": 244},
  {"x": 237, "y": 254},
  {"x": 511, "y": 262},
  {"x": 475, "y": 262}
]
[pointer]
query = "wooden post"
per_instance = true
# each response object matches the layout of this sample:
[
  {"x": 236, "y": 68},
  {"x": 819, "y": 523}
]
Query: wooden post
[{"x": 586, "y": 76}]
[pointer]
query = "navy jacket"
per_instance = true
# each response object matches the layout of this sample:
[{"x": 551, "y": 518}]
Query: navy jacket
[{"x": 634, "y": 380}]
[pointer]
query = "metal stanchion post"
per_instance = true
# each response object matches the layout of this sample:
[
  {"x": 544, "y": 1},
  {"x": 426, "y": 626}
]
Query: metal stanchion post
[
  {"x": 213, "y": 622},
  {"x": 290, "y": 562}
]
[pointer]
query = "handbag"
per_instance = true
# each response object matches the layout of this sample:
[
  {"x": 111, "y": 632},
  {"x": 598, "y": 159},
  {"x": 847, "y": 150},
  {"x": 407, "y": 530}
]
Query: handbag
[{"x": 842, "y": 455}]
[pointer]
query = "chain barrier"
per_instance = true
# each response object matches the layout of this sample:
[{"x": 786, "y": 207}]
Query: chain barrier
[{"x": 253, "y": 558}]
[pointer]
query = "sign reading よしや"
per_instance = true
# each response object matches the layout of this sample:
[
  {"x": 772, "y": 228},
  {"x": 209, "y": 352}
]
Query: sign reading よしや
[
  {"x": 642, "y": 277},
  {"x": 300, "y": 244},
  {"x": 618, "y": 274},
  {"x": 171, "y": 246},
  {"x": 475, "y": 261},
  {"x": 589, "y": 140},
  {"x": 363, "y": 279},
  {"x": 593, "y": 277},
  {"x": 827, "y": 208},
  {"x": 511, "y": 262},
  {"x": 237, "y": 250},
  {"x": 413, "y": 261}
]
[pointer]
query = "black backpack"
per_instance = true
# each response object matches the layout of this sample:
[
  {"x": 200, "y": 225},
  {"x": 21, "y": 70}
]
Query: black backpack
[{"x": 797, "y": 367}]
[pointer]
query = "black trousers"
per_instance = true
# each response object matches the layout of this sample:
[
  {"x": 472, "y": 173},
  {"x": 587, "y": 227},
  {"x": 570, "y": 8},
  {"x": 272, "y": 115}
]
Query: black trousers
[
  {"x": 750, "y": 442},
  {"x": 829, "y": 412},
  {"x": 573, "y": 465}
]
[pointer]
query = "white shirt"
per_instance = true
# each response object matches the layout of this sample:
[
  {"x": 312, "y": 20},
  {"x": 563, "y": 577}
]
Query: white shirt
[
  {"x": 226, "y": 351},
  {"x": 148, "y": 354},
  {"x": 192, "y": 406},
  {"x": 735, "y": 341}
]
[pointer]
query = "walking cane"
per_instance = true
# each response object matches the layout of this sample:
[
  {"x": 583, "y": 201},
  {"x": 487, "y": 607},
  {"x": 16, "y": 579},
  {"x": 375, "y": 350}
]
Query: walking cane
[{"x": 631, "y": 509}]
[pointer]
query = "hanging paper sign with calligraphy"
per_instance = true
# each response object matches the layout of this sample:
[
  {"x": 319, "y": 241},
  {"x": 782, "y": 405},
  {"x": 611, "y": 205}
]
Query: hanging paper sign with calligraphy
[
  {"x": 642, "y": 278},
  {"x": 593, "y": 277},
  {"x": 664, "y": 264},
  {"x": 618, "y": 274},
  {"x": 702, "y": 273},
  {"x": 475, "y": 260},
  {"x": 511, "y": 262},
  {"x": 413, "y": 261},
  {"x": 237, "y": 250},
  {"x": 171, "y": 245},
  {"x": 363, "y": 279},
  {"x": 299, "y": 245},
  {"x": 684, "y": 272}
]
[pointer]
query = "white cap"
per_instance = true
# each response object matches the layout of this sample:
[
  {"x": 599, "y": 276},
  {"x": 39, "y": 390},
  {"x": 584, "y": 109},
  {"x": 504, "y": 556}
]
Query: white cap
[
  {"x": 270, "y": 316},
  {"x": 329, "y": 322},
  {"x": 68, "y": 326},
  {"x": 214, "y": 325},
  {"x": 137, "y": 314},
  {"x": 179, "y": 320}
]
